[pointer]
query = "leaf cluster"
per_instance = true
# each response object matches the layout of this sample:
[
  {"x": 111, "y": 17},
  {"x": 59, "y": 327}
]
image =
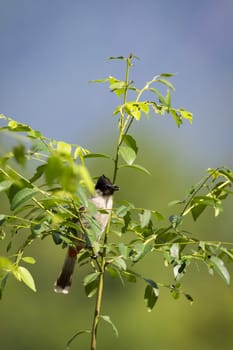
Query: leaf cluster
[{"x": 54, "y": 202}]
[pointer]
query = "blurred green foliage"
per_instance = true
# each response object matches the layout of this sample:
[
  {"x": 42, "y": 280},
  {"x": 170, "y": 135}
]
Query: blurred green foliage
[{"x": 46, "y": 320}]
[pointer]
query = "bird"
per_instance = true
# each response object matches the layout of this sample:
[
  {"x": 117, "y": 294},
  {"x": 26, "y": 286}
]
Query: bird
[{"x": 103, "y": 200}]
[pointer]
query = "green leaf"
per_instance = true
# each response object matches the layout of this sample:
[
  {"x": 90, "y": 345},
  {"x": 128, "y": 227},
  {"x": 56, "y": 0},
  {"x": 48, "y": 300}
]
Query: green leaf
[
  {"x": 167, "y": 83},
  {"x": 176, "y": 116},
  {"x": 57, "y": 237},
  {"x": 104, "y": 80},
  {"x": 219, "y": 266},
  {"x": 53, "y": 169},
  {"x": 39, "y": 172},
  {"x": 91, "y": 283},
  {"x": 29, "y": 260},
  {"x": 5, "y": 185},
  {"x": 132, "y": 109},
  {"x": 128, "y": 154},
  {"x": 151, "y": 294},
  {"x": 13, "y": 125},
  {"x": 142, "y": 249},
  {"x": 75, "y": 336},
  {"x": 26, "y": 277},
  {"x": 135, "y": 166},
  {"x": 107, "y": 319},
  {"x": 145, "y": 218},
  {"x": 131, "y": 142},
  {"x": 186, "y": 115},
  {"x": 117, "y": 58},
  {"x": 127, "y": 220},
  {"x": 157, "y": 215},
  {"x": 63, "y": 148},
  {"x": 197, "y": 211},
  {"x": 167, "y": 75},
  {"x": 119, "y": 263},
  {"x": 161, "y": 98},
  {"x": 175, "y": 250},
  {"x": 124, "y": 250},
  {"x": 168, "y": 99},
  {"x": 97, "y": 155},
  {"x": 129, "y": 276},
  {"x": 22, "y": 196},
  {"x": 144, "y": 106},
  {"x": 90, "y": 278},
  {"x": 34, "y": 134},
  {"x": 122, "y": 211},
  {"x": 84, "y": 173},
  {"x": 91, "y": 289},
  {"x": 6, "y": 264},
  {"x": 19, "y": 154}
]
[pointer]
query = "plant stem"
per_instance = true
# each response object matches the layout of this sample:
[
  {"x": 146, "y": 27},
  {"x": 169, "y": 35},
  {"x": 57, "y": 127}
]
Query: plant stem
[
  {"x": 101, "y": 268},
  {"x": 97, "y": 308},
  {"x": 123, "y": 129},
  {"x": 121, "y": 121}
]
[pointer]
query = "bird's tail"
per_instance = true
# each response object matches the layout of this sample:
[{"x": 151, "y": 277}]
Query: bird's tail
[{"x": 63, "y": 283}]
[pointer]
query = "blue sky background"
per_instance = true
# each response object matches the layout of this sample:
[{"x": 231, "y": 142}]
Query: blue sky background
[{"x": 51, "y": 49}]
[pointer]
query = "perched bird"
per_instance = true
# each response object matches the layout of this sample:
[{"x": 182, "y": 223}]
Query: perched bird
[{"x": 102, "y": 200}]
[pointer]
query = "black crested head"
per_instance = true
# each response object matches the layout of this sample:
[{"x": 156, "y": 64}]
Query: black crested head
[{"x": 105, "y": 186}]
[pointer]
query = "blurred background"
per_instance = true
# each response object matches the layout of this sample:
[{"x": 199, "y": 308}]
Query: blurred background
[{"x": 49, "y": 52}]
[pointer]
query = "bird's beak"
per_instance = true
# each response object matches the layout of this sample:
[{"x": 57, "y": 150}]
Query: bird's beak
[{"x": 115, "y": 188}]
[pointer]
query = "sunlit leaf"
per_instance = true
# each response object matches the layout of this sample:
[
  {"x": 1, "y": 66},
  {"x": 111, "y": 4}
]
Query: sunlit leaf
[
  {"x": 86, "y": 177},
  {"x": 26, "y": 277},
  {"x": 64, "y": 148},
  {"x": 131, "y": 142},
  {"x": 29, "y": 259},
  {"x": 13, "y": 125},
  {"x": 128, "y": 154},
  {"x": 132, "y": 109},
  {"x": 186, "y": 115}
]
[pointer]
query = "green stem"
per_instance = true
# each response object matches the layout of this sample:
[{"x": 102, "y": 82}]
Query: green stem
[
  {"x": 101, "y": 268},
  {"x": 97, "y": 308},
  {"x": 122, "y": 124},
  {"x": 123, "y": 129}
]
